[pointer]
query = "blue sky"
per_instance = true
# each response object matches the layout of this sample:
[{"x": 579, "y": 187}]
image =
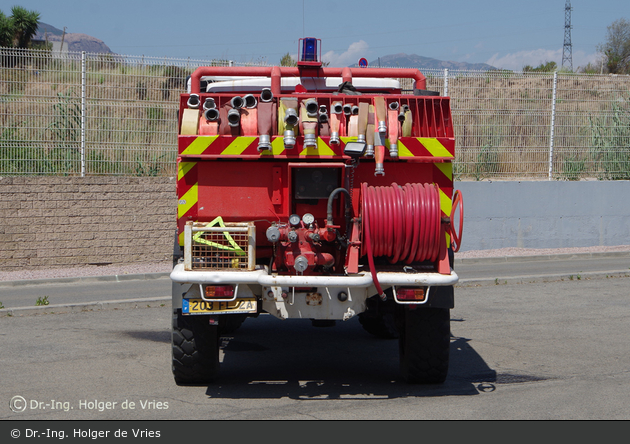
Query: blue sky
[{"x": 504, "y": 34}]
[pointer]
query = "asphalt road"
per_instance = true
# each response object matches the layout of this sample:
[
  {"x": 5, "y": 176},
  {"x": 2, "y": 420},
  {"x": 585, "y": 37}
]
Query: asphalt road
[
  {"x": 79, "y": 292},
  {"x": 556, "y": 350},
  {"x": 471, "y": 272}
]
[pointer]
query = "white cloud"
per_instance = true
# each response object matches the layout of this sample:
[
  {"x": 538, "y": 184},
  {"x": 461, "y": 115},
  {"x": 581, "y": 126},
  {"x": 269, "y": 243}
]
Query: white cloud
[
  {"x": 581, "y": 59},
  {"x": 355, "y": 51},
  {"x": 516, "y": 61}
]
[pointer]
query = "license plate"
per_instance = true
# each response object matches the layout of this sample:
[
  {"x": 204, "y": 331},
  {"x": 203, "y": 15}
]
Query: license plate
[{"x": 199, "y": 306}]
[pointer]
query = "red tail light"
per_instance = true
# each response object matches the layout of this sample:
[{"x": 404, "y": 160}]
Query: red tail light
[
  {"x": 410, "y": 294},
  {"x": 222, "y": 292}
]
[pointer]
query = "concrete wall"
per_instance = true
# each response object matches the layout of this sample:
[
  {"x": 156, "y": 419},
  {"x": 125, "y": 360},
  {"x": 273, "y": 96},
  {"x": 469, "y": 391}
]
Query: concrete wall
[
  {"x": 545, "y": 214},
  {"x": 69, "y": 221}
]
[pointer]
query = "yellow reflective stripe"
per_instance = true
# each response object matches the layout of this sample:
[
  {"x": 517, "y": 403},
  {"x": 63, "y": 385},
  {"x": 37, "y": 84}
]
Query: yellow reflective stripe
[
  {"x": 403, "y": 151},
  {"x": 446, "y": 203},
  {"x": 219, "y": 221},
  {"x": 238, "y": 145},
  {"x": 187, "y": 200},
  {"x": 199, "y": 145},
  {"x": 434, "y": 147},
  {"x": 277, "y": 147},
  {"x": 446, "y": 168},
  {"x": 181, "y": 238},
  {"x": 348, "y": 139},
  {"x": 183, "y": 168},
  {"x": 322, "y": 149}
]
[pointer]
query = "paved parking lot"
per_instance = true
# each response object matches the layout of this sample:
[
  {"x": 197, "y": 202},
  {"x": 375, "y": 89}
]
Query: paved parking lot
[{"x": 554, "y": 350}]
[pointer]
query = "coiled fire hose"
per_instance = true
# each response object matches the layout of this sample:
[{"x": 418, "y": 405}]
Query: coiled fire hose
[{"x": 401, "y": 224}]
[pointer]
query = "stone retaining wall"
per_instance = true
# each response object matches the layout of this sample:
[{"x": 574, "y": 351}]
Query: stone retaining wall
[{"x": 72, "y": 221}]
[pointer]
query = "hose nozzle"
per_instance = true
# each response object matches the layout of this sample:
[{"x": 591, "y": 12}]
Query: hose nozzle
[
  {"x": 289, "y": 139},
  {"x": 211, "y": 114},
  {"x": 193, "y": 101},
  {"x": 237, "y": 102},
  {"x": 379, "y": 156},
  {"x": 291, "y": 117},
  {"x": 264, "y": 142},
  {"x": 334, "y": 138},
  {"x": 311, "y": 107},
  {"x": 393, "y": 149},
  {"x": 250, "y": 101},
  {"x": 234, "y": 117},
  {"x": 401, "y": 114},
  {"x": 310, "y": 140},
  {"x": 209, "y": 103},
  {"x": 266, "y": 95}
]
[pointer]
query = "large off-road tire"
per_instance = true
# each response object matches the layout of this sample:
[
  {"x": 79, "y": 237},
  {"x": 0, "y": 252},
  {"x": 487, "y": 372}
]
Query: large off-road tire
[
  {"x": 195, "y": 349},
  {"x": 381, "y": 325},
  {"x": 379, "y": 318},
  {"x": 424, "y": 344},
  {"x": 230, "y": 323}
]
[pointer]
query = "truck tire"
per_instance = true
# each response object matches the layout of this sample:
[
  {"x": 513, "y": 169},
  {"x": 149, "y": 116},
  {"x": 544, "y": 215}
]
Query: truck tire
[
  {"x": 230, "y": 323},
  {"x": 195, "y": 349},
  {"x": 379, "y": 318},
  {"x": 424, "y": 344},
  {"x": 381, "y": 325}
]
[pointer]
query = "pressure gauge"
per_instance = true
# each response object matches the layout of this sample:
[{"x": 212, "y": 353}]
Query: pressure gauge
[
  {"x": 294, "y": 220},
  {"x": 308, "y": 219}
]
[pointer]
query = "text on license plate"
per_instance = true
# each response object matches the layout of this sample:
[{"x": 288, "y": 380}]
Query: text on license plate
[{"x": 199, "y": 306}]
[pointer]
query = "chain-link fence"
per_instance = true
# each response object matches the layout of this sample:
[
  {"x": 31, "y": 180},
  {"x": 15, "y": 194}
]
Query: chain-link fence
[{"x": 91, "y": 114}]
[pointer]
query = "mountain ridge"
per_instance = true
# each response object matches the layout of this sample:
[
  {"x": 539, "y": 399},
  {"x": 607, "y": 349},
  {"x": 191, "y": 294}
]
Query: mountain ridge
[
  {"x": 403, "y": 60},
  {"x": 75, "y": 41}
]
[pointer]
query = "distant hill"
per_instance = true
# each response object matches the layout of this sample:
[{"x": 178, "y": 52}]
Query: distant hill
[
  {"x": 403, "y": 60},
  {"x": 75, "y": 41},
  {"x": 45, "y": 28}
]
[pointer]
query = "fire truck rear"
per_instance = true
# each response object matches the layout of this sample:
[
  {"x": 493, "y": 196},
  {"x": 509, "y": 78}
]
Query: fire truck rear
[{"x": 316, "y": 193}]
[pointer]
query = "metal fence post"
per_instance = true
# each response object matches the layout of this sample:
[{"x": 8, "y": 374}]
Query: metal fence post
[
  {"x": 83, "y": 82},
  {"x": 445, "y": 82},
  {"x": 553, "y": 122}
]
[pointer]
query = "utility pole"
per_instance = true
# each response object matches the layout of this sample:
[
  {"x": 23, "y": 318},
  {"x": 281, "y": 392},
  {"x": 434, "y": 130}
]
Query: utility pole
[
  {"x": 62, "y": 37},
  {"x": 567, "y": 49}
]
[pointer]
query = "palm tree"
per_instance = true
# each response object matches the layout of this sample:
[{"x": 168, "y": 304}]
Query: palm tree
[
  {"x": 6, "y": 31},
  {"x": 24, "y": 24}
]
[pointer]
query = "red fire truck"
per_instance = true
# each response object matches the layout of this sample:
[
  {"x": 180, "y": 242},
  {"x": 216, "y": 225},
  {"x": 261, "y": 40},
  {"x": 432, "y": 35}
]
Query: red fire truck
[{"x": 315, "y": 193}]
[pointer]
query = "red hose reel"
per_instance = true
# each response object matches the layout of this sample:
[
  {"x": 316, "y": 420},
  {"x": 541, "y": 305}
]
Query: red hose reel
[
  {"x": 456, "y": 235},
  {"x": 404, "y": 224}
]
